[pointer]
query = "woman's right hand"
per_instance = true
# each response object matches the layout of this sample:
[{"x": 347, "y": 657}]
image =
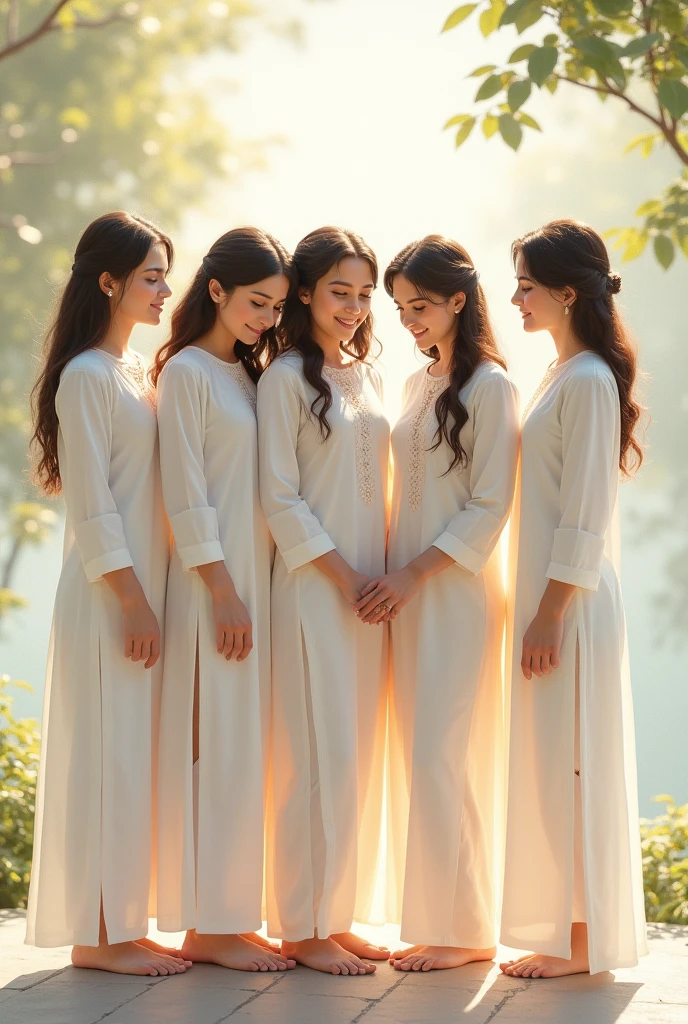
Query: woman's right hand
[
  {"x": 352, "y": 584},
  {"x": 141, "y": 631},
  {"x": 232, "y": 624}
]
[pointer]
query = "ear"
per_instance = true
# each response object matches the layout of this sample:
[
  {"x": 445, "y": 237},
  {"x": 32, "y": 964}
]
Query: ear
[
  {"x": 459, "y": 301},
  {"x": 216, "y": 291},
  {"x": 107, "y": 284},
  {"x": 305, "y": 296},
  {"x": 570, "y": 295}
]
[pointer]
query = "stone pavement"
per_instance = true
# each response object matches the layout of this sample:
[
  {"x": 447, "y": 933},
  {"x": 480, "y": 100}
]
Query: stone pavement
[{"x": 38, "y": 986}]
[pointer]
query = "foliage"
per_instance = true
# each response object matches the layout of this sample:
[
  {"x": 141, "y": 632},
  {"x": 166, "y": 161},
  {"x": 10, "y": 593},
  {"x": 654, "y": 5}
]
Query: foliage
[
  {"x": 635, "y": 51},
  {"x": 100, "y": 111},
  {"x": 19, "y": 752},
  {"x": 665, "y": 863}
]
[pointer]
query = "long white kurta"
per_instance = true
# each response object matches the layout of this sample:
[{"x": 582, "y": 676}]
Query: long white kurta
[
  {"x": 565, "y": 527},
  {"x": 95, "y": 809},
  {"x": 447, "y": 742},
  {"x": 209, "y": 459},
  {"x": 329, "y": 669}
]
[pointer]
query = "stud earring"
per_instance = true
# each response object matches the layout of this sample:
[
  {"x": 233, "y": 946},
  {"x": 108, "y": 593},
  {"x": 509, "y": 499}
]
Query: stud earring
[
  {"x": 110, "y": 294},
  {"x": 456, "y": 312}
]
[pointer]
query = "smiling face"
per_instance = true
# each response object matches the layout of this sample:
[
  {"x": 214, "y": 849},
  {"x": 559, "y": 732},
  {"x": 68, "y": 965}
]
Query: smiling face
[
  {"x": 340, "y": 301},
  {"x": 140, "y": 300},
  {"x": 431, "y": 319},
  {"x": 542, "y": 309},
  {"x": 250, "y": 309}
]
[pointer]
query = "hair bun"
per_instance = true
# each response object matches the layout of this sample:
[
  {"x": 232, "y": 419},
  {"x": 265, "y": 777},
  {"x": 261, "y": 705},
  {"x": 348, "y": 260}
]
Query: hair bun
[{"x": 613, "y": 283}]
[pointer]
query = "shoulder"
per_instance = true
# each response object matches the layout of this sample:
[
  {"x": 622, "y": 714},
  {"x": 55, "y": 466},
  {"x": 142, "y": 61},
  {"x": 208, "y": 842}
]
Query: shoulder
[
  {"x": 491, "y": 381},
  {"x": 285, "y": 370},
  {"x": 91, "y": 370},
  {"x": 187, "y": 365},
  {"x": 589, "y": 374}
]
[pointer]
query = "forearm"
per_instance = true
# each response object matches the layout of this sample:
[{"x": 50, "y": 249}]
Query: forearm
[
  {"x": 216, "y": 578},
  {"x": 334, "y": 566},
  {"x": 556, "y": 598},
  {"x": 429, "y": 563},
  {"x": 125, "y": 585}
]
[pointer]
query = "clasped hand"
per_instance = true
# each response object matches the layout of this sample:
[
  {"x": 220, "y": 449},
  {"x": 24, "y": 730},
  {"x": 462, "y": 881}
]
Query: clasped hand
[{"x": 383, "y": 598}]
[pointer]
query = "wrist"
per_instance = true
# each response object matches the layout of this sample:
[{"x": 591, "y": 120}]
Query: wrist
[
  {"x": 549, "y": 609},
  {"x": 416, "y": 571}
]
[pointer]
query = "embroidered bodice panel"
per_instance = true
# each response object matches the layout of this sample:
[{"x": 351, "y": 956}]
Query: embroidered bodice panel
[
  {"x": 348, "y": 380},
  {"x": 432, "y": 388}
]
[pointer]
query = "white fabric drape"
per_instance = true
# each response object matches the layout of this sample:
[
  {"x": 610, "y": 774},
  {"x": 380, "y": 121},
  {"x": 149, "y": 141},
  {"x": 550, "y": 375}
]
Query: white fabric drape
[
  {"x": 566, "y": 528},
  {"x": 447, "y": 742},
  {"x": 326, "y": 796},
  {"x": 95, "y": 811},
  {"x": 209, "y": 458}
]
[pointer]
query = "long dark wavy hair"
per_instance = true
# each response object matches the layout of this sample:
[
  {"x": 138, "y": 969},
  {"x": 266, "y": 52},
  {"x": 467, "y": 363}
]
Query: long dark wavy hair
[
  {"x": 242, "y": 256},
  {"x": 565, "y": 253},
  {"x": 116, "y": 243},
  {"x": 315, "y": 254},
  {"x": 440, "y": 266}
]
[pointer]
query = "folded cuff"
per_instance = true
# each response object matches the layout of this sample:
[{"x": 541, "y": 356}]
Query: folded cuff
[
  {"x": 102, "y": 545},
  {"x": 306, "y": 552},
  {"x": 576, "y": 558},
  {"x": 201, "y": 554},
  {"x": 466, "y": 557},
  {"x": 197, "y": 536},
  {"x": 585, "y": 578}
]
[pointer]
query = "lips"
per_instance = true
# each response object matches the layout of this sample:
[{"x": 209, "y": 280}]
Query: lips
[
  {"x": 419, "y": 334},
  {"x": 349, "y": 324},
  {"x": 254, "y": 331},
  {"x": 155, "y": 306}
]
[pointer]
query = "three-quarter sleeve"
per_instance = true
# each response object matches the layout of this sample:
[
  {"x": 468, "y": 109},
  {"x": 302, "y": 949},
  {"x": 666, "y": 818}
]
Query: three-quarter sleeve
[
  {"x": 470, "y": 537},
  {"x": 181, "y": 426},
  {"x": 84, "y": 410},
  {"x": 590, "y": 457},
  {"x": 297, "y": 532}
]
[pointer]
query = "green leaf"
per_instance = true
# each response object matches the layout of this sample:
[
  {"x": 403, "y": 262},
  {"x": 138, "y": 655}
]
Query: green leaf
[
  {"x": 457, "y": 16},
  {"x": 551, "y": 39},
  {"x": 517, "y": 93},
  {"x": 541, "y": 63},
  {"x": 645, "y": 143},
  {"x": 483, "y": 70},
  {"x": 613, "y": 8},
  {"x": 664, "y": 250},
  {"x": 640, "y": 45},
  {"x": 650, "y": 208},
  {"x": 513, "y": 11},
  {"x": 457, "y": 119},
  {"x": 489, "y": 19},
  {"x": 490, "y": 87},
  {"x": 510, "y": 130},
  {"x": 490, "y": 125},
  {"x": 521, "y": 53},
  {"x": 674, "y": 96},
  {"x": 551, "y": 84},
  {"x": 528, "y": 16},
  {"x": 631, "y": 240},
  {"x": 681, "y": 51},
  {"x": 464, "y": 131},
  {"x": 529, "y": 121}
]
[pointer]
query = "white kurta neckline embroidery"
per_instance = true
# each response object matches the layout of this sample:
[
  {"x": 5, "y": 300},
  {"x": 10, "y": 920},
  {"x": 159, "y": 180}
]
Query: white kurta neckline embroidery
[
  {"x": 238, "y": 373},
  {"x": 432, "y": 388},
  {"x": 350, "y": 384}
]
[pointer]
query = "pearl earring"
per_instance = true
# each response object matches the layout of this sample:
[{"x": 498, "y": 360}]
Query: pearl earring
[
  {"x": 566, "y": 310},
  {"x": 110, "y": 294},
  {"x": 456, "y": 312}
]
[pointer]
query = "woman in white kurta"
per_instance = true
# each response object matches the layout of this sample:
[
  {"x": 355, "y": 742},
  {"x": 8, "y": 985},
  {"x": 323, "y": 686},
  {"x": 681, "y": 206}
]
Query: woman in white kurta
[
  {"x": 446, "y": 598},
  {"x": 324, "y": 495},
  {"x": 97, "y": 437},
  {"x": 214, "y": 735},
  {"x": 573, "y": 887}
]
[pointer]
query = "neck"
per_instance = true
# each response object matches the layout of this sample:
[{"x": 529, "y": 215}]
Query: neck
[
  {"x": 219, "y": 342},
  {"x": 566, "y": 343},
  {"x": 331, "y": 347},
  {"x": 445, "y": 348},
  {"x": 116, "y": 341}
]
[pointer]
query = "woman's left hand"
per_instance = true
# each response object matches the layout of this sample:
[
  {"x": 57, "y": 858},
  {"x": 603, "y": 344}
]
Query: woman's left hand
[{"x": 384, "y": 597}]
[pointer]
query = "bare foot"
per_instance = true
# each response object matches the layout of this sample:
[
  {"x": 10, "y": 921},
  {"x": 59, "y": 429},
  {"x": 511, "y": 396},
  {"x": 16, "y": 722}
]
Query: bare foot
[
  {"x": 438, "y": 958},
  {"x": 126, "y": 958},
  {"x": 176, "y": 954},
  {"x": 326, "y": 955},
  {"x": 233, "y": 951},
  {"x": 359, "y": 947},
  {"x": 260, "y": 941},
  {"x": 536, "y": 965}
]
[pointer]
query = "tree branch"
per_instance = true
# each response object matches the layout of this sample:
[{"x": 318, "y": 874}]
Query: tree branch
[{"x": 49, "y": 24}]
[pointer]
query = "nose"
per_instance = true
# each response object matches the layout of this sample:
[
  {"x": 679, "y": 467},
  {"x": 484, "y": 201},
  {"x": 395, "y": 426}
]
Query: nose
[
  {"x": 516, "y": 298},
  {"x": 407, "y": 321},
  {"x": 353, "y": 307},
  {"x": 165, "y": 291}
]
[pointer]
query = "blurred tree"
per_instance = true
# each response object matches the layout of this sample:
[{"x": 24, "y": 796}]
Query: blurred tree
[
  {"x": 634, "y": 51},
  {"x": 97, "y": 111},
  {"x": 19, "y": 743}
]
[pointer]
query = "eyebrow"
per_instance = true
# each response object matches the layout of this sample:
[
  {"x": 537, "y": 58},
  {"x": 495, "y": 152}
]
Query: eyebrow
[
  {"x": 264, "y": 295},
  {"x": 347, "y": 284},
  {"x": 523, "y": 277},
  {"x": 158, "y": 270},
  {"x": 418, "y": 298}
]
